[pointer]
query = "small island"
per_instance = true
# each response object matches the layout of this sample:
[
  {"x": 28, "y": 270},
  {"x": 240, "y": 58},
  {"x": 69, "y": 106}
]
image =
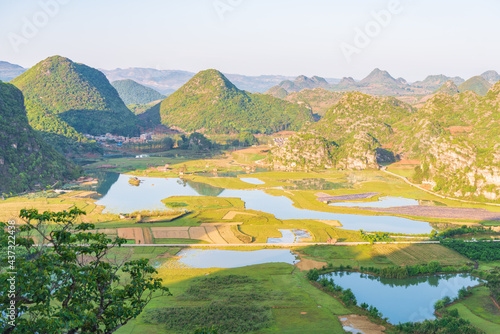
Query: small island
[{"x": 134, "y": 181}]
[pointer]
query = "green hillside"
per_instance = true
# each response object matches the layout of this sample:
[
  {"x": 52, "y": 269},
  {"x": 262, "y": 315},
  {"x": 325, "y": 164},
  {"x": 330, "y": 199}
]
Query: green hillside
[
  {"x": 151, "y": 117},
  {"x": 357, "y": 130},
  {"x": 476, "y": 84},
  {"x": 210, "y": 102},
  {"x": 132, "y": 92},
  {"x": 455, "y": 138},
  {"x": 26, "y": 161},
  {"x": 463, "y": 145},
  {"x": 449, "y": 88},
  {"x": 360, "y": 113},
  {"x": 277, "y": 91},
  {"x": 66, "y": 100}
]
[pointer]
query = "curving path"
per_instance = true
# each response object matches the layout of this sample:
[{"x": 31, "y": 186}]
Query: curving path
[{"x": 384, "y": 169}]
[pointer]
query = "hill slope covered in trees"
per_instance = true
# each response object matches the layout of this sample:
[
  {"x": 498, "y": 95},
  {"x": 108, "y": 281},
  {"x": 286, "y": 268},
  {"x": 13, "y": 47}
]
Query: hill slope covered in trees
[
  {"x": 26, "y": 161},
  {"x": 210, "y": 102},
  {"x": 132, "y": 92},
  {"x": 357, "y": 130},
  {"x": 65, "y": 100},
  {"x": 456, "y": 137}
]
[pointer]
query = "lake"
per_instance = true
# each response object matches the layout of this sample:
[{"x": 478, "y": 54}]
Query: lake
[
  {"x": 216, "y": 258},
  {"x": 403, "y": 300},
  {"x": 289, "y": 237},
  {"x": 125, "y": 198}
]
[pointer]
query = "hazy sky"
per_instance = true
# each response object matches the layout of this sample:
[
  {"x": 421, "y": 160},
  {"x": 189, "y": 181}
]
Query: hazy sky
[{"x": 253, "y": 37}]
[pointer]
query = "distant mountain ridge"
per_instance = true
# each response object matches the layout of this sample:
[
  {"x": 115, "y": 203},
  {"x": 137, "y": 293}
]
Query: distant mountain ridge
[
  {"x": 491, "y": 76},
  {"x": 132, "y": 92},
  {"x": 168, "y": 81},
  {"x": 9, "y": 71},
  {"x": 434, "y": 82},
  {"x": 378, "y": 76},
  {"x": 476, "y": 84},
  {"x": 303, "y": 82}
]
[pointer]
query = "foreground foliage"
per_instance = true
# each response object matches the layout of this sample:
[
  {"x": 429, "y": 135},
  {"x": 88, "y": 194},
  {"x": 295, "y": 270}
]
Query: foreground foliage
[
  {"x": 73, "y": 286},
  {"x": 449, "y": 323}
]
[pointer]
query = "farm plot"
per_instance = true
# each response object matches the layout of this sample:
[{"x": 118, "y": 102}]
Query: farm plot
[{"x": 408, "y": 254}]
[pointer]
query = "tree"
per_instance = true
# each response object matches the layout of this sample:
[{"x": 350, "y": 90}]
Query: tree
[
  {"x": 313, "y": 274},
  {"x": 247, "y": 138},
  {"x": 67, "y": 281},
  {"x": 494, "y": 286}
]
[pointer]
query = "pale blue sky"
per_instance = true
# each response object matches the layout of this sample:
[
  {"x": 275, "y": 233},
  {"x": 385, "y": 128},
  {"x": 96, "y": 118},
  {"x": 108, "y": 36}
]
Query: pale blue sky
[{"x": 288, "y": 37}]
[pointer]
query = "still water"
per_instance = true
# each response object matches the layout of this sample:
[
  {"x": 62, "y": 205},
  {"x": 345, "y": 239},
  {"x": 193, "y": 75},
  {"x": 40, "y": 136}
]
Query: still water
[
  {"x": 289, "y": 237},
  {"x": 252, "y": 180},
  {"x": 125, "y": 198},
  {"x": 216, "y": 258},
  {"x": 403, "y": 300}
]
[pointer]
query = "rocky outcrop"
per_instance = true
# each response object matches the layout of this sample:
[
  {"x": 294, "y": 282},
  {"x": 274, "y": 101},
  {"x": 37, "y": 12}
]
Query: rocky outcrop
[
  {"x": 359, "y": 154},
  {"x": 458, "y": 168},
  {"x": 303, "y": 151}
]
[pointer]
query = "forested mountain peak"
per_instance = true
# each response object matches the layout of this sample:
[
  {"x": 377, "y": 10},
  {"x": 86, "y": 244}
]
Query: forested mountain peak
[
  {"x": 210, "y": 102},
  {"x": 65, "y": 99}
]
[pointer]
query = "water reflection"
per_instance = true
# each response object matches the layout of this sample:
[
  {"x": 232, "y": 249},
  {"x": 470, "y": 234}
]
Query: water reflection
[
  {"x": 216, "y": 258},
  {"x": 123, "y": 198},
  {"x": 403, "y": 300},
  {"x": 289, "y": 237}
]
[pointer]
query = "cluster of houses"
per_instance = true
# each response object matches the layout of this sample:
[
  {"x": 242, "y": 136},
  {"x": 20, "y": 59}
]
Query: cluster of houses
[{"x": 144, "y": 138}]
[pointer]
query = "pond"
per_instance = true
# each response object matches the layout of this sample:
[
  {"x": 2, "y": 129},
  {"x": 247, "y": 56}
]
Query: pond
[
  {"x": 125, "y": 198},
  {"x": 122, "y": 197},
  {"x": 252, "y": 180},
  {"x": 383, "y": 202},
  {"x": 403, "y": 300},
  {"x": 216, "y": 258},
  {"x": 289, "y": 237}
]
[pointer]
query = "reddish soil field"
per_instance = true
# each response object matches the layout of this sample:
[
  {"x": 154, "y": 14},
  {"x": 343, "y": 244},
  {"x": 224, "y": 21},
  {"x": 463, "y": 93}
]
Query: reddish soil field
[
  {"x": 327, "y": 198},
  {"x": 441, "y": 212}
]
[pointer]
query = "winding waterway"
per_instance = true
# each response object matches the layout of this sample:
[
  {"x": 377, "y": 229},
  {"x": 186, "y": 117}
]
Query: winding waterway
[{"x": 123, "y": 197}]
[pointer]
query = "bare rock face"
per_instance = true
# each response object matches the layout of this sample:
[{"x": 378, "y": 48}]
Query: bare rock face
[
  {"x": 360, "y": 154},
  {"x": 457, "y": 168},
  {"x": 305, "y": 151},
  {"x": 302, "y": 151}
]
